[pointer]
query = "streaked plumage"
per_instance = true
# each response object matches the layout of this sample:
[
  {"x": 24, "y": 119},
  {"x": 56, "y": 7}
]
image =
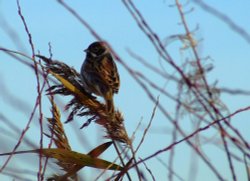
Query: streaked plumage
[{"x": 99, "y": 73}]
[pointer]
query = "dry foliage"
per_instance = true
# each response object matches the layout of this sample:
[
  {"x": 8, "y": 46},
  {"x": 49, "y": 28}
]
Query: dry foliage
[{"x": 195, "y": 98}]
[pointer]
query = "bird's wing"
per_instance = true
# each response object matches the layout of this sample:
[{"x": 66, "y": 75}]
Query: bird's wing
[{"x": 110, "y": 74}]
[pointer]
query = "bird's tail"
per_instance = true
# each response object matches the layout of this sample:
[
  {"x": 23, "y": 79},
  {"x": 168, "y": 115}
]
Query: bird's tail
[{"x": 110, "y": 105}]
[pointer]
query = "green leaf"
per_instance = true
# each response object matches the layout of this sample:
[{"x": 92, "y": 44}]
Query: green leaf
[{"x": 72, "y": 157}]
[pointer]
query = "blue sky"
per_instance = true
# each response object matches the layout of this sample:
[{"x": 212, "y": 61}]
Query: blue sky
[{"x": 50, "y": 22}]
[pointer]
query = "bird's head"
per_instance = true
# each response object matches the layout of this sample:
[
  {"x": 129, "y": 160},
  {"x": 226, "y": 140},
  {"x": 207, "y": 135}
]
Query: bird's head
[{"x": 97, "y": 49}]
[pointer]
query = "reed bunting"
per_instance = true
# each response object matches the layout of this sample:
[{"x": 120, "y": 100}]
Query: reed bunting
[{"x": 99, "y": 73}]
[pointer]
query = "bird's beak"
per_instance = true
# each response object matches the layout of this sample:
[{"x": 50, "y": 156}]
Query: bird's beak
[{"x": 86, "y": 50}]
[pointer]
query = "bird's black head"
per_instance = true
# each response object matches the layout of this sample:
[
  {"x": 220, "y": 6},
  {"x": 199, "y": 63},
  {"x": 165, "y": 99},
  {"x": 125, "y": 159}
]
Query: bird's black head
[{"x": 97, "y": 49}]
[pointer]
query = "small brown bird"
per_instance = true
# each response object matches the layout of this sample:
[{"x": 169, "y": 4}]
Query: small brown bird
[{"x": 99, "y": 73}]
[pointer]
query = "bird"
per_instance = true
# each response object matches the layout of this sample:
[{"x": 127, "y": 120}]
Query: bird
[{"x": 99, "y": 73}]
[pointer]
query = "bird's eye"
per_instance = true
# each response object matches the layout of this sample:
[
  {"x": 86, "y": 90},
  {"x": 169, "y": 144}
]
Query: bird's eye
[{"x": 95, "y": 49}]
